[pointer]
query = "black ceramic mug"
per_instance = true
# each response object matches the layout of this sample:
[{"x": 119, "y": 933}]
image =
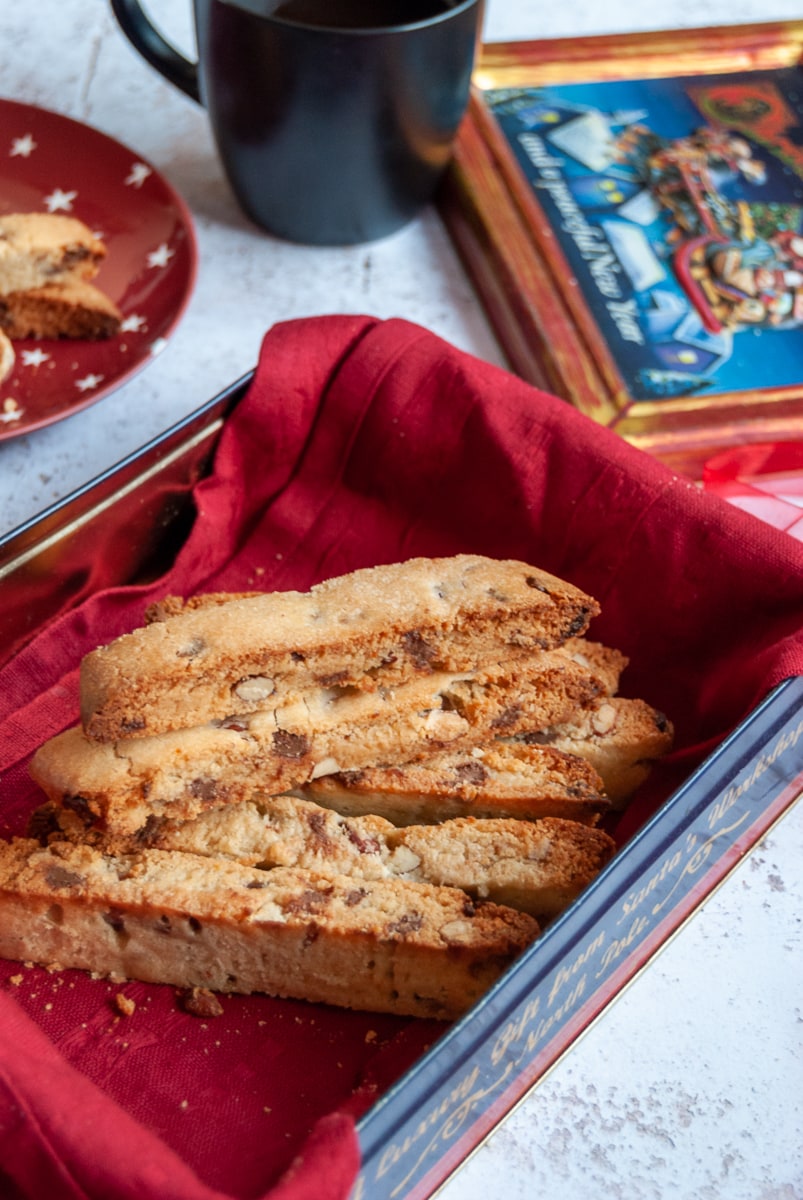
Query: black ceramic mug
[{"x": 334, "y": 119}]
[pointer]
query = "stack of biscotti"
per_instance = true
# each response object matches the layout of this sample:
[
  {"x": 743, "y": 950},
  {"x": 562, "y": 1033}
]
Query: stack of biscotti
[
  {"x": 371, "y": 736},
  {"x": 383, "y": 666},
  {"x": 47, "y": 263}
]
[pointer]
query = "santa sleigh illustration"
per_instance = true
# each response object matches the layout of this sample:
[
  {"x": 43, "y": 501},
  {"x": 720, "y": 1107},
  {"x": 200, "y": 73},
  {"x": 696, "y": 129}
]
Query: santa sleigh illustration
[
  {"x": 708, "y": 294},
  {"x": 738, "y": 284},
  {"x": 733, "y": 278}
]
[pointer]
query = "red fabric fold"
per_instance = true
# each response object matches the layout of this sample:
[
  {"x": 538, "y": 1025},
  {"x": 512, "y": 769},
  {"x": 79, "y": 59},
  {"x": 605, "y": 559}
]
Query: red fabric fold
[{"x": 359, "y": 442}]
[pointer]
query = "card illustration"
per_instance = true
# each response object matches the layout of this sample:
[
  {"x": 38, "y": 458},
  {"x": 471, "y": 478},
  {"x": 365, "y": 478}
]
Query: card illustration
[{"x": 678, "y": 204}]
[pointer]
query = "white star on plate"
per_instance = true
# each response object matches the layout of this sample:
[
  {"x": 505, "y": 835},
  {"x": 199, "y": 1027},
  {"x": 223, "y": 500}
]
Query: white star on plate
[
  {"x": 88, "y": 382},
  {"x": 158, "y": 345},
  {"x": 34, "y": 358},
  {"x": 22, "y": 147},
  {"x": 138, "y": 174},
  {"x": 59, "y": 201},
  {"x": 133, "y": 323},
  {"x": 161, "y": 256}
]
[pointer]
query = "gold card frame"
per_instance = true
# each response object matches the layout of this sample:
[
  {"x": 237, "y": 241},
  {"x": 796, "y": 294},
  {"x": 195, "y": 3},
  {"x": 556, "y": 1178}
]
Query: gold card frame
[{"x": 548, "y": 316}]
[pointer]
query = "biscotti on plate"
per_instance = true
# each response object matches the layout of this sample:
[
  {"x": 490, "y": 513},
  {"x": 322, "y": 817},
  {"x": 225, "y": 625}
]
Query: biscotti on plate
[
  {"x": 47, "y": 261},
  {"x": 182, "y": 919},
  {"x": 376, "y": 627},
  {"x": 74, "y": 309},
  {"x": 37, "y": 249},
  {"x": 538, "y": 867}
]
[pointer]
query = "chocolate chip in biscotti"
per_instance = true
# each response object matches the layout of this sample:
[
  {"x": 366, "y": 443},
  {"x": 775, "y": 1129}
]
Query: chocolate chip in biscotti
[
  {"x": 148, "y": 835},
  {"x": 43, "y": 823},
  {"x": 114, "y": 919},
  {"x": 289, "y": 745},
  {"x": 206, "y": 790},
  {"x": 61, "y": 877},
  {"x": 81, "y": 807},
  {"x": 470, "y": 773},
  {"x": 409, "y": 923},
  {"x": 311, "y": 900},
  {"x": 365, "y": 845},
  {"x": 419, "y": 651}
]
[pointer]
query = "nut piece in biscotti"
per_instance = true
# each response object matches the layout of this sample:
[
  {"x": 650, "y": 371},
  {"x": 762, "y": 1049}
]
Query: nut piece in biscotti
[
  {"x": 37, "y": 249},
  {"x": 620, "y": 738},
  {"x": 122, "y": 788},
  {"x": 166, "y": 917},
  {"x": 73, "y": 309},
  {"x": 538, "y": 867},
  {"x": 376, "y": 627},
  {"x": 496, "y": 779}
]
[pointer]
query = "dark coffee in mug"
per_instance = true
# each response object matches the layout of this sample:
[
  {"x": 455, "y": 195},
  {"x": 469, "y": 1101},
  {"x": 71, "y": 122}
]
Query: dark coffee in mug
[
  {"x": 334, "y": 119},
  {"x": 360, "y": 14}
]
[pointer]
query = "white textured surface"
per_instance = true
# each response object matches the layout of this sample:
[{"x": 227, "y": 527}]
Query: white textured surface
[{"x": 689, "y": 1086}]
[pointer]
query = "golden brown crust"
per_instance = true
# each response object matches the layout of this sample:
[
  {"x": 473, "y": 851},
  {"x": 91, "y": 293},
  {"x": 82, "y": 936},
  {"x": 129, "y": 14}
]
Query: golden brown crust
[
  {"x": 538, "y": 867},
  {"x": 173, "y": 606},
  {"x": 46, "y": 263}
]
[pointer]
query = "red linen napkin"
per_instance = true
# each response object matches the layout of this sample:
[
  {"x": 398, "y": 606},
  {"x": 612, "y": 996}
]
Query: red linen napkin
[{"x": 359, "y": 442}]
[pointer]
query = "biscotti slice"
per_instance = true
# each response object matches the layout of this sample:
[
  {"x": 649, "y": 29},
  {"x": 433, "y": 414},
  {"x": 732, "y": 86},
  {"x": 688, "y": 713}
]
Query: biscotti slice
[
  {"x": 72, "y": 309},
  {"x": 168, "y": 917},
  {"x": 493, "y": 780},
  {"x": 37, "y": 249},
  {"x": 124, "y": 787},
  {"x": 621, "y": 738},
  {"x": 376, "y": 627},
  {"x": 538, "y": 867}
]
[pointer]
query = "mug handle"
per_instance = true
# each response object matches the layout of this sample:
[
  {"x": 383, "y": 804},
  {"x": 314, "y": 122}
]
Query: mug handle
[{"x": 155, "y": 49}]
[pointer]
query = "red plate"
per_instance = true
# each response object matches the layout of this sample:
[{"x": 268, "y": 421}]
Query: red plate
[{"x": 50, "y": 163}]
